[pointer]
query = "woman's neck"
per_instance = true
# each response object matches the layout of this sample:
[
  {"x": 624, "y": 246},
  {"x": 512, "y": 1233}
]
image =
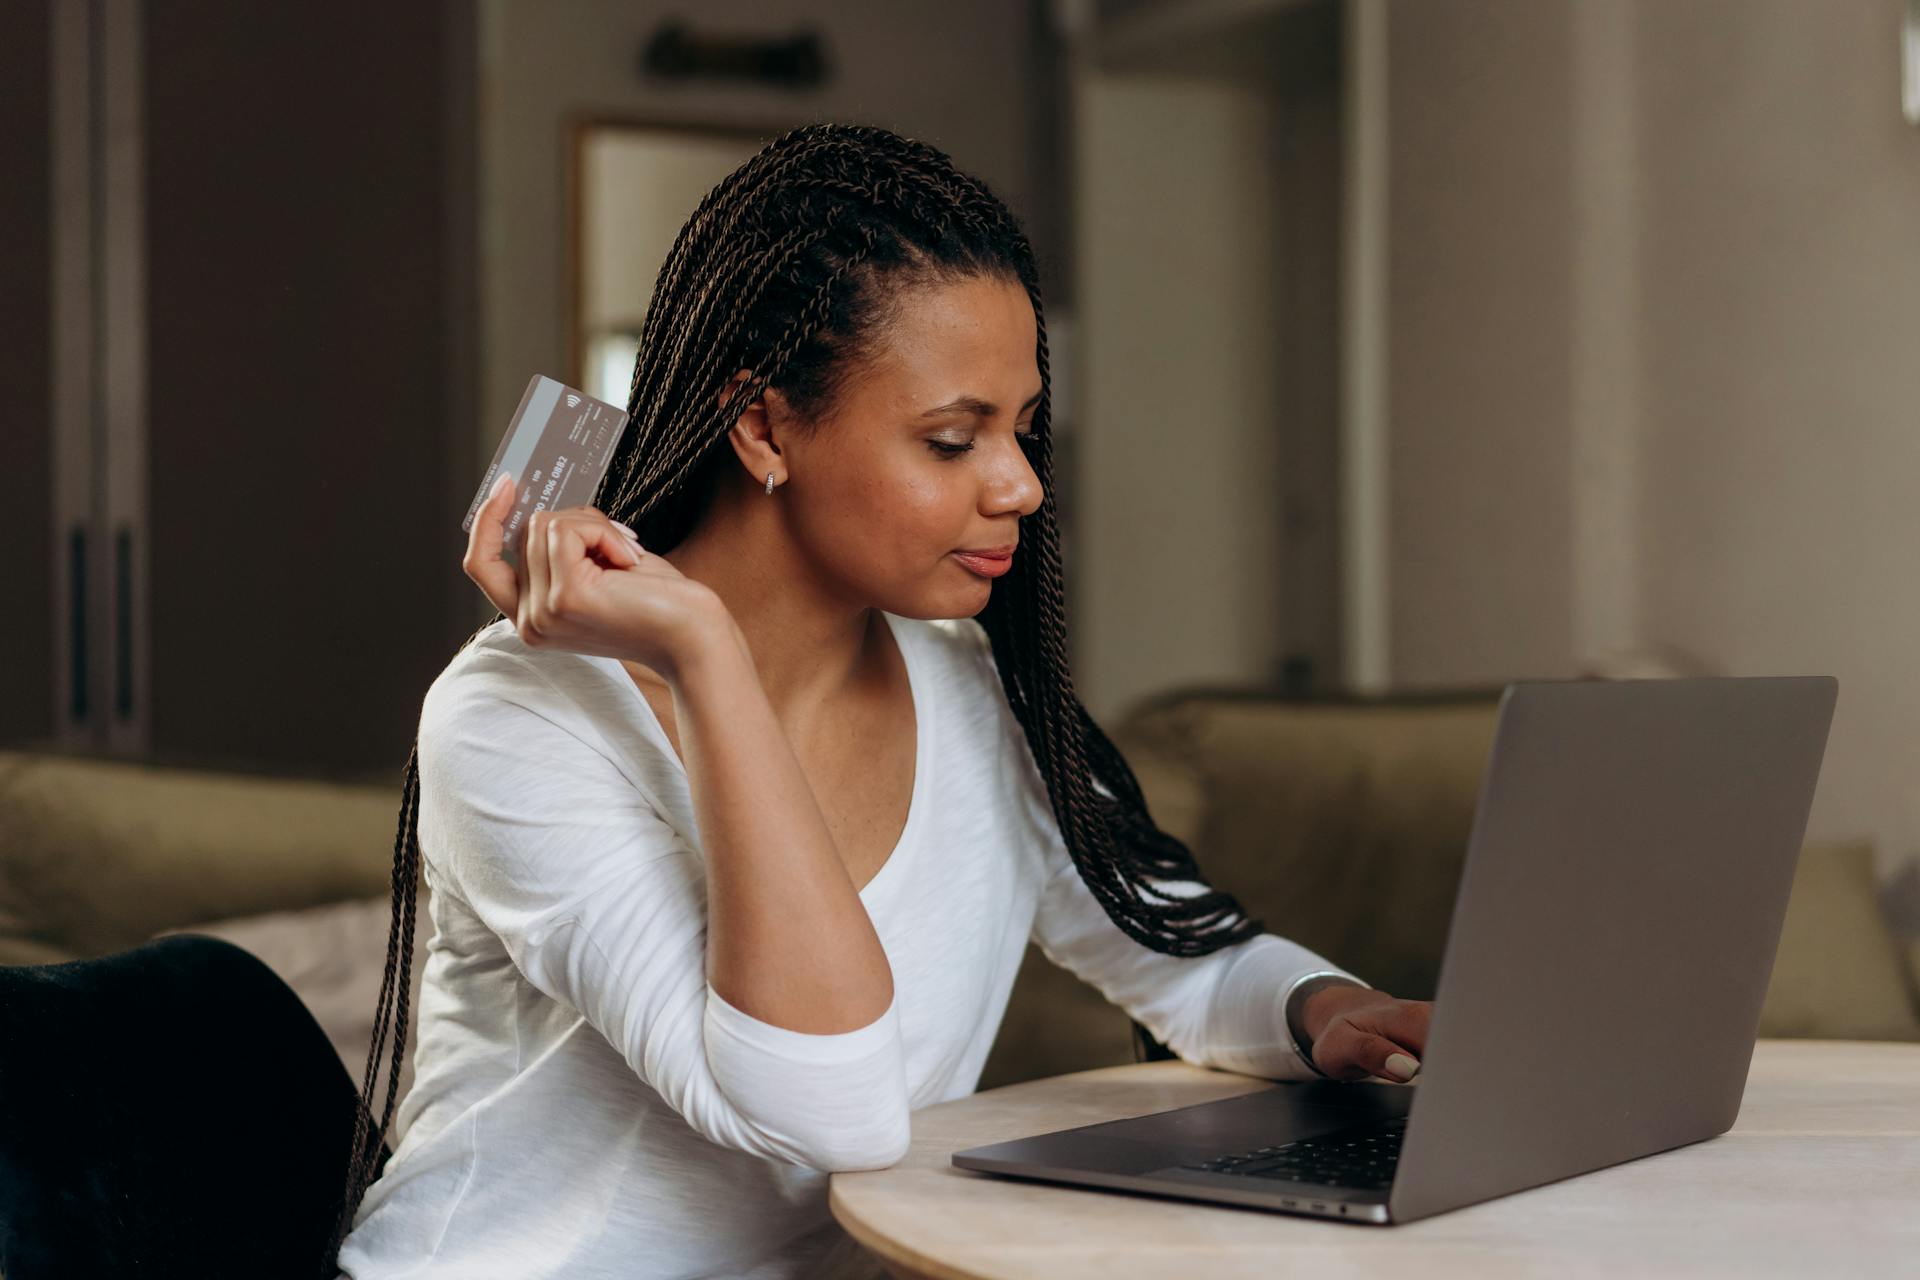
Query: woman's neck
[{"x": 811, "y": 648}]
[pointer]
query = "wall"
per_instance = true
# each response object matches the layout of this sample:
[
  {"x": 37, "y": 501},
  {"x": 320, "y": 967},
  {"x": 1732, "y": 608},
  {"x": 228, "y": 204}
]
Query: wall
[
  {"x": 1178, "y": 577},
  {"x": 1478, "y": 257},
  {"x": 1655, "y": 303},
  {"x": 1206, "y": 222},
  {"x": 1779, "y": 270}
]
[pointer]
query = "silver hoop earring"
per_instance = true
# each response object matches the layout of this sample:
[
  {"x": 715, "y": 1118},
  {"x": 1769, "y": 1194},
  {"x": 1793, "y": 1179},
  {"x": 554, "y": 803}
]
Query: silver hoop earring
[{"x": 769, "y": 482}]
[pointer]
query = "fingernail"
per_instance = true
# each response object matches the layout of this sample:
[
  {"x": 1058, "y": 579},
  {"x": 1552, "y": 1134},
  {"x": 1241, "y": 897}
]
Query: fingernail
[
  {"x": 499, "y": 484},
  {"x": 1401, "y": 1067},
  {"x": 629, "y": 532}
]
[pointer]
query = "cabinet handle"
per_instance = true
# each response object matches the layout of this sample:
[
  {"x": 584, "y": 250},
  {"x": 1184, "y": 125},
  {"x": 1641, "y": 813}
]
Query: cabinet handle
[
  {"x": 123, "y": 624},
  {"x": 77, "y": 623}
]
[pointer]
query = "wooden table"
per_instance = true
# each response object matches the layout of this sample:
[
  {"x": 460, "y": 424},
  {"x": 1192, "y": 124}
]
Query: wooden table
[{"x": 1820, "y": 1176}]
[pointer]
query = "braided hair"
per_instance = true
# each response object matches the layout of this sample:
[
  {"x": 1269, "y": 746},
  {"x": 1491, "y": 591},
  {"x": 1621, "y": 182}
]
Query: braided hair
[{"x": 789, "y": 268}]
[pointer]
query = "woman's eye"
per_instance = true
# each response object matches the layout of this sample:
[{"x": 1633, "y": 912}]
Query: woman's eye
[{"x": 1028, "y": 440}]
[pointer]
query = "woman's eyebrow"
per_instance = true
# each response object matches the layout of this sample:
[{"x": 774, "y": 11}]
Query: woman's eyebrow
[{"x": 974, "y": 404}]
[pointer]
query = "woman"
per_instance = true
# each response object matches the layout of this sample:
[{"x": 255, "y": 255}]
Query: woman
[{"x": 739, "y": 817}]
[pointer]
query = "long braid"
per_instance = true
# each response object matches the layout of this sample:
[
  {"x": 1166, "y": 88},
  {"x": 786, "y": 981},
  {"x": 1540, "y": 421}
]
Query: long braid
[{"x": 786, "y": 268}]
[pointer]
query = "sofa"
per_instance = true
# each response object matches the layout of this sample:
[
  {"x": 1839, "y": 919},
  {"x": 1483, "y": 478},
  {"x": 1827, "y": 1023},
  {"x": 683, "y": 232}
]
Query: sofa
[{"x": 1341, "y": 823}]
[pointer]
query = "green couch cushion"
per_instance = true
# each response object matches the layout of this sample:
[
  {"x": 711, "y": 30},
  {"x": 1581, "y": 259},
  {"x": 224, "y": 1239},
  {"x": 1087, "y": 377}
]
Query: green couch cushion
[
  {"x": 99, "y": 855},
  {"x": 1839, "y": 973},
  {"x": 1342, "y": 826}
]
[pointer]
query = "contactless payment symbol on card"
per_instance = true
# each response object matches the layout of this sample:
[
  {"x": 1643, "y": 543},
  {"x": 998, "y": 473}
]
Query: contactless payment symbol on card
[{"x": 557, "y": 448}]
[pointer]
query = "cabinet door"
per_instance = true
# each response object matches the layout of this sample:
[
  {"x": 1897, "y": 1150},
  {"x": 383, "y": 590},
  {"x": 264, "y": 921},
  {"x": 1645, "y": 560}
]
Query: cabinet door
[
  {"x": 26, "y": 459},
  {"x": 309, "y": 210}
]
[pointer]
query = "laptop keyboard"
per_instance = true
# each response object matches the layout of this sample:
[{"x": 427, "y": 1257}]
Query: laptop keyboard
[{"x": 1360, "y": 1158}]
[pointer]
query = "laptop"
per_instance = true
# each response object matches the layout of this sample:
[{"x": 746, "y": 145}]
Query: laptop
[{"x": 1612, "y": 938}]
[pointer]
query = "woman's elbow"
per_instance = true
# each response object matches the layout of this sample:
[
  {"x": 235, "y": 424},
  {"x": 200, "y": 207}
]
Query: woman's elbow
[{"x": 881, "y": 1147}]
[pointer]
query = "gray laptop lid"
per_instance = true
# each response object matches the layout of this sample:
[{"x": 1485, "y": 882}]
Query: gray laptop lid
[{"x": 1651, "y": 828}]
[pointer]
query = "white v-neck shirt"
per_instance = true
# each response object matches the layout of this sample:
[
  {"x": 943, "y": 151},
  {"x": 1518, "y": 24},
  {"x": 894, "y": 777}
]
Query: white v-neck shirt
[{"x": 585, "y": 1106}]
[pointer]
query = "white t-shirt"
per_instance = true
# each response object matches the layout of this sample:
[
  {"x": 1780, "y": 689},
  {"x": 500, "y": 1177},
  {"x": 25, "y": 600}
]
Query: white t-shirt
[{"x": 585, "y": 1105}]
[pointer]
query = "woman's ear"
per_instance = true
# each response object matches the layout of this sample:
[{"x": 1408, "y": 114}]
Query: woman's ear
[{"x": 753, "y": 433}]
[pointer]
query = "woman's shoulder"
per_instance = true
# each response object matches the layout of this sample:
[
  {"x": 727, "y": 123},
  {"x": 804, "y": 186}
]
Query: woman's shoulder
[
  {"x": 497, "y": 668},
  {"x": 549, "y": 719}
]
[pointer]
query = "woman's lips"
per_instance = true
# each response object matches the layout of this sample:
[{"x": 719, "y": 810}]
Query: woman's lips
[{"x": 985, "y": 566}]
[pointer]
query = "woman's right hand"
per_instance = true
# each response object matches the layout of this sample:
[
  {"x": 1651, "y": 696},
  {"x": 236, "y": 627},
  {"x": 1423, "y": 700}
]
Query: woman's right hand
[{"x": 585, "y": 584}]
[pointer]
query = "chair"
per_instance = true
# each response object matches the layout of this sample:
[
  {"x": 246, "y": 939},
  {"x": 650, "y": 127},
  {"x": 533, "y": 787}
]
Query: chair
[{"x": 123, "y": 1079}]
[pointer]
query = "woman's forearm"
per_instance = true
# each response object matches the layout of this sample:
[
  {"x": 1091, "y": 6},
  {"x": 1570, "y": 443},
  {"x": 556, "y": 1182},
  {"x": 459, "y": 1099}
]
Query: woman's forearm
[{"x": 788, "y": 939}]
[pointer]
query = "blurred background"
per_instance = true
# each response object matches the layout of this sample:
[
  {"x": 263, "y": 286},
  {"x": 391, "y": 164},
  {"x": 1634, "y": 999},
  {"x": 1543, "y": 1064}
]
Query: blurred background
[{"x": 1400, "y": 350}]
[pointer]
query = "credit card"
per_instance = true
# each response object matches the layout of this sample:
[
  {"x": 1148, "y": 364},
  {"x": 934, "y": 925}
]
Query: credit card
[{"x": 556, "y": 448}]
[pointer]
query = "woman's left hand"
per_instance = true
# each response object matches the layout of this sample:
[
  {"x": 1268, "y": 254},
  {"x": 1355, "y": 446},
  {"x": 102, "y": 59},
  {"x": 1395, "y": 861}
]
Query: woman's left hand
[{"x": 1358, "y": 1032}]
